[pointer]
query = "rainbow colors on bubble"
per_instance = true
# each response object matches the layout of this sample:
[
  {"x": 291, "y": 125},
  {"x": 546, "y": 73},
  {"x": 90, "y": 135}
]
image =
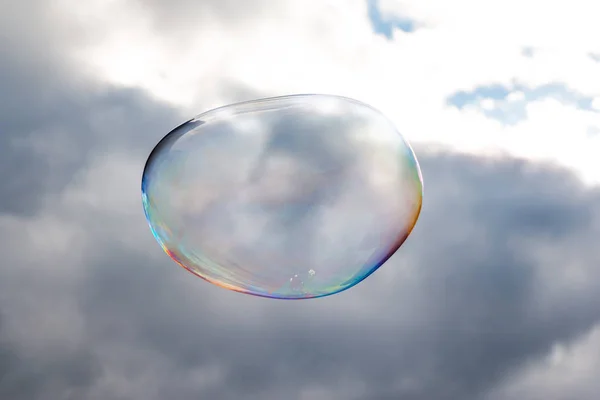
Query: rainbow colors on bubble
[{"x": 289, "y": 197}]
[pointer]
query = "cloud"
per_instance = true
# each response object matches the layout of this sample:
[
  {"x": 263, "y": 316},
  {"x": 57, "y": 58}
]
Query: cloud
[
  {"x": 568, "y": 371},
  {"x": 562, "y": 24},
  {"x": 409, "y": 76},
  {"x": 476, "y": 292},
  {"x": 52, "y": 115}
]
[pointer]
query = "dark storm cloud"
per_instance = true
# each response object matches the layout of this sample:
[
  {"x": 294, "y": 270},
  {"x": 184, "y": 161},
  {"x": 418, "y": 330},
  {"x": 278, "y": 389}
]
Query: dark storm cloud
[
  {"x": 479, "y": 288},
  {"x": 469, "y": 315},
  {"x": 482, "y": 271}
]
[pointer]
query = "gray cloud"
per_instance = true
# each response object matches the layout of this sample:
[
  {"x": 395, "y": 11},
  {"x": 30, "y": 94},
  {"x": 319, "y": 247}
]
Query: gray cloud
[
  {"x": 452, "y": 314},
  {"x": 500, "y": 266},
  {"x": 180, "y": 13},
  {"x": 50, "y": 124},
  {"x": 467, "y": 313}
]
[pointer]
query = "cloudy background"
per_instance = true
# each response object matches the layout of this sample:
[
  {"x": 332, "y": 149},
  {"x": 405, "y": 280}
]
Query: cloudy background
[{"x": 495, "y": 296}]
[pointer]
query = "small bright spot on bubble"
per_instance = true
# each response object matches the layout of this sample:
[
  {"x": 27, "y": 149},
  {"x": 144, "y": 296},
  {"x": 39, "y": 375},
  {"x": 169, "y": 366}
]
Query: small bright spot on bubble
[
  {"x": 296, "y": 284},
  {"x": 247, "y": 195}
]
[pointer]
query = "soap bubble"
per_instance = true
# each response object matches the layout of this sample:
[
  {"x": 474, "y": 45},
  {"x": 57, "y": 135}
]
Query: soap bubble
[{"x": 290, "y": 197}]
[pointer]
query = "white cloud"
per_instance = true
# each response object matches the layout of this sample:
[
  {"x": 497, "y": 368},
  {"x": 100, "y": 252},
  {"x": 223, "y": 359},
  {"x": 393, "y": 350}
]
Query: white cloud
[
  {"x": 566, "y": 24},
  {"x": 331, "y": 48},
  {"x": 487, "y": 104}
]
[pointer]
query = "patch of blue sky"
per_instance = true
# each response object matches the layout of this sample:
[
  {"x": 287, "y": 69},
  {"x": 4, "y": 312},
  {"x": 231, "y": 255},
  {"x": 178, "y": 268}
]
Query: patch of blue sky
[
  {"x": 496, "y": 102},
  {"x": 463, "y": 98},
  {"x": 385, "y": 26}
]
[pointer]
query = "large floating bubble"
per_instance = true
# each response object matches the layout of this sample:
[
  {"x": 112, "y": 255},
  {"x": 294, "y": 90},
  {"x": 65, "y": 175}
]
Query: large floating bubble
[{"x": 290, "y": 197}]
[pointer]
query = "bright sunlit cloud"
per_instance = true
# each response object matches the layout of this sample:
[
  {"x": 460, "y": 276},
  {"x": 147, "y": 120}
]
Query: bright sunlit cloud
[{"x": 409, "y": 76}]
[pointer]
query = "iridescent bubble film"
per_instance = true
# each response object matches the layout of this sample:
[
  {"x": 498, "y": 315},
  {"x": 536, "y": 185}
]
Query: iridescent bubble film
[{"x": 289, "y": 197}]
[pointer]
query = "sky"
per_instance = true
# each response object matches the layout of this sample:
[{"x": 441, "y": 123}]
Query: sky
[{"x": 494, "y": 296}]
